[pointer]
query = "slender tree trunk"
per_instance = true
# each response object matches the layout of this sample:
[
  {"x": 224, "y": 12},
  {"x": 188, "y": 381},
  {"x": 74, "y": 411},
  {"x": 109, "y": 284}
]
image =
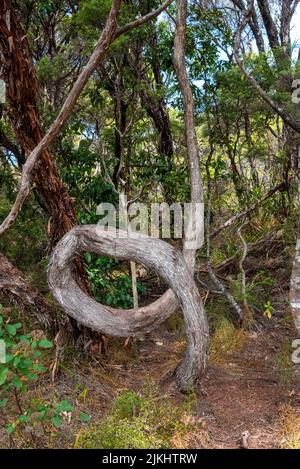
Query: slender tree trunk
[{"x": 295, "y": 288}]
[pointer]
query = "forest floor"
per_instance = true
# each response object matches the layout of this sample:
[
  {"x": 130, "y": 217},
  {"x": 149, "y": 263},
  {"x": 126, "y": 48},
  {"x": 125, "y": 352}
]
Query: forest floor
[
  {"x": 244, "y": 399},
  {"x": 250, "y": 397}
]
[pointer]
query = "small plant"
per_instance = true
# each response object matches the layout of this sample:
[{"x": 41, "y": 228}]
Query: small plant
[
  {"x": 268, "y": 313},
  {"x": 143, "y": 422},
  {"x": 225, "y": 340},
  {"x": 20, "y": 368}
]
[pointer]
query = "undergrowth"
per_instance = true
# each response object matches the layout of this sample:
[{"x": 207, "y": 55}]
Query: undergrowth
[
  {"x": 289, "y": 427},
  {"x": 143, "y": 421}
]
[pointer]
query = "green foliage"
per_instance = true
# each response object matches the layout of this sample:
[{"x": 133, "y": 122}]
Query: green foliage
[
  {"x": 24, "y": 363},
  {"x": 143, "y": 422},
  {"x": 109, "y": 284}
]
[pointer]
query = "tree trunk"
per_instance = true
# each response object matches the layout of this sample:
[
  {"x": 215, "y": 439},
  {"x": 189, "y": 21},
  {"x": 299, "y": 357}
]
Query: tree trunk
[
  {"x": 22, "y": 93},
  {"x": 155, "y": 254},
  {"x": 295, "y": 288},
  {"x": 17, "y": 287}
]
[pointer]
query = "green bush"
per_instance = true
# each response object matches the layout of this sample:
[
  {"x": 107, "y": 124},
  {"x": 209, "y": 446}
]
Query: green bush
[{"x": 141, "y": 422}]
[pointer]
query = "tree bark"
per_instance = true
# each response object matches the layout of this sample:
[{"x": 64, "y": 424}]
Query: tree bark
[
  {"x": 295, "y": 288},
  {"x": 155, "y": 254},
  {"x": 22, "y": 95},
  {"x": 17, "y": 287}
]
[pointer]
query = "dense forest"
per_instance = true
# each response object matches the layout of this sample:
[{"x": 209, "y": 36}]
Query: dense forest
[{"x": 149, "y": 217}]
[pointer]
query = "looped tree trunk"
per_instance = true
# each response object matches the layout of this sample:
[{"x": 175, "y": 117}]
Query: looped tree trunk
[{"x": 153, "y": 253}]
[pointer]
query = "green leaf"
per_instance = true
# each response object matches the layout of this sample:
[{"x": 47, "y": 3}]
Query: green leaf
[
  {"x": 9, "y": 357},
  {"x": 57, "y": 420},
  {"x": 11, "y": 329},
  {"x": 65, "y": 406},
  {"x": 38, "y": 367},
  {"x": 42, "y": 414},
  {"x": 88, "y": 257},
  {"x": 16, "y": 361},
  {"x": 3, "y": 375},
  {"x": 10, "y": 428},
  {"x": 16, "y": 382},
  {"x": 31, "y": 376},
  {"x": 44, "y": 343},
  {"x": 23, "y": 418},
  {"x": 3, "y": 403},
  {"x": 84, "y": 417},
  {"x": 1, "y": 320}
]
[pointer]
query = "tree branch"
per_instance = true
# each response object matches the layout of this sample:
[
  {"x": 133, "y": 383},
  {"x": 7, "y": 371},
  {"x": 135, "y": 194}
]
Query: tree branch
[
  {"x": 143, "y": 19},
  {"x": 108, "y": 35},
  {"x": 286, "y": 117},
  {"x": 238, "y": 216}
]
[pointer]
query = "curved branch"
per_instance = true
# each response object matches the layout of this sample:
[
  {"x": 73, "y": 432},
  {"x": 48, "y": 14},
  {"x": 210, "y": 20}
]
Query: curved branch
[{"x": 156, "y": 254}]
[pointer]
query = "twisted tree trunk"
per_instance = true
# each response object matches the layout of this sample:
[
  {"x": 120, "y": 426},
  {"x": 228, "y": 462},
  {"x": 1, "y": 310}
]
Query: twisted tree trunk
[{"x": 155, "y": 254}]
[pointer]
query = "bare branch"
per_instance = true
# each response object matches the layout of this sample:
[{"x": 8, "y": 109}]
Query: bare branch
[
  {"x": 238, "y": 216},
  {"x": 143, "y": 19}
]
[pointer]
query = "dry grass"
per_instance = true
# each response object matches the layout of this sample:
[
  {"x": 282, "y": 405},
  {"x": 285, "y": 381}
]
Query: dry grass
[
  {"x": 225, "y": 340},
  {"x": 289, "y": 427}
]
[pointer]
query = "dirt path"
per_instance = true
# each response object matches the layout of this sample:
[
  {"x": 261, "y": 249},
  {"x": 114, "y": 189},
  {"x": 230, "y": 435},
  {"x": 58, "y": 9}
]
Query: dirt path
[{"x": 242, "y": 397}]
